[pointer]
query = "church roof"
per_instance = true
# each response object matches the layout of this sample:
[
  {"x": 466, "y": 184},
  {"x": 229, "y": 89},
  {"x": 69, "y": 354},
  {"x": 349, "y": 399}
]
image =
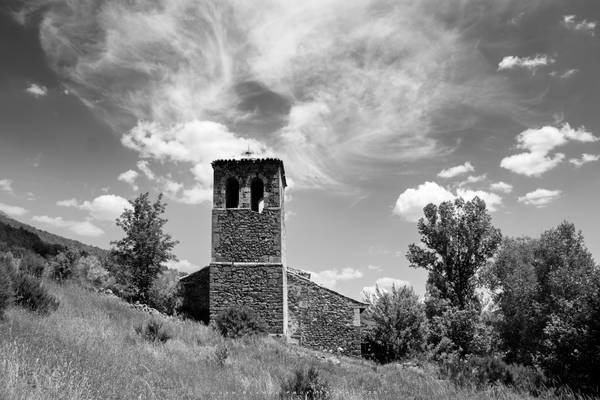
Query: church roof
[{"x": 246, "y": 161}]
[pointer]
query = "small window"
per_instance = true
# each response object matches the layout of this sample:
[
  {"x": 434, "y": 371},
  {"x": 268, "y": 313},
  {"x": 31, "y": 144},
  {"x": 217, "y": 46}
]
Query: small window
[
  {"x": 232, "y": 193},
  {"x": 257, "y": 193}
]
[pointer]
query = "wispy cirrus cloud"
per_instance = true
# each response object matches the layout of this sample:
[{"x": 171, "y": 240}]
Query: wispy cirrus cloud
[
  {"x": 331, "y": 277},
  {"x": 335, "y": 89},
  {"x": 6, "y": 186},
  {"x": 571, "y": 22},
  {"x": 456, "y": 171},
  {"x": 584, "y": 159}
]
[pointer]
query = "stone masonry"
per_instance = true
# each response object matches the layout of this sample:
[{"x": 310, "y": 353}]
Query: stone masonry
[{"x": 248, "y": 265}]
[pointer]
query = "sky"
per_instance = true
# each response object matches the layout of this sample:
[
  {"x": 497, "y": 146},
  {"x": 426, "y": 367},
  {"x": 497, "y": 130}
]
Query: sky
[{"x": 376, "y": 107}]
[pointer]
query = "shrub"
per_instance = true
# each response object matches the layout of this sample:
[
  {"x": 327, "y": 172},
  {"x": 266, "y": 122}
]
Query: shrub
[
  {"x": 486, "y": 371},
  {"x": 221, "y": 354},
  {"x": 89, "y": 271},
  {"x": 62, "y": 265},
  {"x": 398, "y": 325},
  {"x": 33, "y": 264},
  {"x": 305, "y": 384},
  {"x": 164, "y": 295},
  {"x": 154, "y": 330},
  {"x": 6, "y": 289},
  {"x": 31, "y": 294},
  {"x": 235, "y": 322}
]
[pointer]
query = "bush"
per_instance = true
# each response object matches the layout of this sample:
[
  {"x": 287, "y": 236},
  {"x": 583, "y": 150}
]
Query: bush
[
  {"x": 221, "y": 355},
  {"x": 164, "y": 295},
  {"x": 62, "y": 265},
  {"x": 6, "y": 289},
  {"x": 154, "y": 330},
  {"x": 235, "y": 322},
  {"x": 398, "y": 325},
  {"x": 486, "y": 371},
  {"x": 30, "y": 293},
  {"x": 33, "y": 264},
  {"x": 89, "y": 271},
  {"x": 305, "y": 384}
]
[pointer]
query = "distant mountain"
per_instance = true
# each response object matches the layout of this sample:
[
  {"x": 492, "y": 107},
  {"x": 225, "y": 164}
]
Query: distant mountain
[{"x": 32, "y": 237}]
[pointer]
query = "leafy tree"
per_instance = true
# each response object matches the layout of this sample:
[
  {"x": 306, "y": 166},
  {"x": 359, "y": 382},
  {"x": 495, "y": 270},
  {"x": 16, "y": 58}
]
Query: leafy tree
[
  {"x": 548, "y": 291},
  {"x": 164, "y": 292},
  {"x": 399, "y": 326},
  {"x": 459, "y": 238},
  {"x": 145, "y": 248},
  {"x": 6, "y": 284}
]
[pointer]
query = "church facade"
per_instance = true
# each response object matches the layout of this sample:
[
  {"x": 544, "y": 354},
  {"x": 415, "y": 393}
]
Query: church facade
[{"x": 248, "y": 266}]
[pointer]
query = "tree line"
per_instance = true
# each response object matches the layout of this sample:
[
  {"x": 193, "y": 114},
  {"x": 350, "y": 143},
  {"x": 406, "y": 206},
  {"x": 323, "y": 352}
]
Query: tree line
[{"x": 521, "y": 311}]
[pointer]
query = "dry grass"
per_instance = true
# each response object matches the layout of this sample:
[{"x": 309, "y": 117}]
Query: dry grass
[{"x": 88, "y": 349}]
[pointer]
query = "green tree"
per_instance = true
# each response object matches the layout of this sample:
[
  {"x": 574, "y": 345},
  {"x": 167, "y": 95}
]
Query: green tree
[
  {"x": 398, "y": 325},
  {"x": 459, "y": 238},
  {"x": 548, "y": 291},
  {"x": 145, "y": 248}
]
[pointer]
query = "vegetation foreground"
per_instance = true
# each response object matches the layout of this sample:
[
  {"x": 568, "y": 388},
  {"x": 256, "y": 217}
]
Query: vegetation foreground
[{"x": 89, "y": 349}]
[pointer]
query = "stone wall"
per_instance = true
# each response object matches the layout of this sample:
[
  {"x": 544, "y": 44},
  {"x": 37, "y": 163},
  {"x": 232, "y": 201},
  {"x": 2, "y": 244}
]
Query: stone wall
[
  {"x": 242, "y": 235},
  {"x": 196, "y": 298},
  {"x": 322, "y": 319},
  {"x": 259, "y": 287}
]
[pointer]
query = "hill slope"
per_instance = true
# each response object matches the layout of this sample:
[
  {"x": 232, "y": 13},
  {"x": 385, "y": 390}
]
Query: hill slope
[
  {"x": 50, "y": 238},
  {"x": 88, "y": 349}
]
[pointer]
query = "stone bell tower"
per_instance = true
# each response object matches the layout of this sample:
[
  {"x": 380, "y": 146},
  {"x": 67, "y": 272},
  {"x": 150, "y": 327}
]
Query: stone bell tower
[{"x": 248, "y": 240}]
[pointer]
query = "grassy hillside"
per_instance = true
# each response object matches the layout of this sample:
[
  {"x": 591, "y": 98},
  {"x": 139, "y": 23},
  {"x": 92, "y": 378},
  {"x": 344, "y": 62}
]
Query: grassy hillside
[
  {"x": 51, "y": 238},
  {"x": 88, "y": 349}
]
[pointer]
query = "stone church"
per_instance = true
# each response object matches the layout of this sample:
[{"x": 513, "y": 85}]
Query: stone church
[{"x": 248, "y": 265}]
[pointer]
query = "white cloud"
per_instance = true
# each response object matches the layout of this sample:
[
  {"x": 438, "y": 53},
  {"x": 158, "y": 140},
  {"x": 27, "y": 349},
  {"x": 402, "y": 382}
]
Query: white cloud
[
  {"x": 502, "y": 187},
  {"x": 143, "y": 166},
  {"x": 197, "y": 143},
  {"x": 372, "y": 267},
  {"x": 530, "y": 63},
  {"x": 539, "y": 143},
  {"x": 36, "y": 90},
  {"x": 12, "y": 210},
  {"x": 106, "y": 207},
  {"x": 473, "y": 179},
  {"x": 565, "y": 75},
  {"x": 455, "y": 171},
  {"x": 585, "y": 158},
  {"x": 385, "y": 285},
  {"x": 411, "y": 202},
  {"x": 492, "y": 200},
  {"x": 329, "y": 278},
  {"x": 82, "y": 228},
  {"x": 368, "y": 83},
  {"x": 67, "y": 203},
  {"x": 584, "y": 26},
  {"x": 129, "y": 177},
  {"x": 6, "y": 186},
  {"x": 183, "y": 265},
  {"x": 540, "y": 197}
]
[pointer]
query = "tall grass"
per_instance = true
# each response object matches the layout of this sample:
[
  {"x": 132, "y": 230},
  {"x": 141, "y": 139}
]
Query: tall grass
[{"x": 88, "y": 349}]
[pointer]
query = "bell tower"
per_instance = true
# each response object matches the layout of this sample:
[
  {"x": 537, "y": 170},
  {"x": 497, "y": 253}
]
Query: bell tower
[{"x": 248, "y": 240}]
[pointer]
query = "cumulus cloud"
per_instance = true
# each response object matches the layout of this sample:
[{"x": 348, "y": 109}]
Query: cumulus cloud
[
  {"x": 182, "y": 265},
  {"x": 6, "y": 186},
  {"x": 540, "y": 197},
  {"x": 330, "y": 277},
  {"x": 372, "y": 267},
  {"x": 455, "y": 171},
  {"x": 335, "y": 89},
  {"x": 145, "y": 168},
  {"x": 106, "y": 207},
  {"x": 583, "y": 26},
  {"x": 385, "y": 285},
  {"x": 129, "y": 177},
  {"x": 12, "y": 210},
  {"x": 82, "y": 228},
  {"x": 585, "y": 158},
  {"x": 530, "y": 63},
  {"x": 411, "y": 202},
  {"x": 539, "y": 143},
  {"x": 36, "y": 90},
  {"x": 502, "y": 187}
]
